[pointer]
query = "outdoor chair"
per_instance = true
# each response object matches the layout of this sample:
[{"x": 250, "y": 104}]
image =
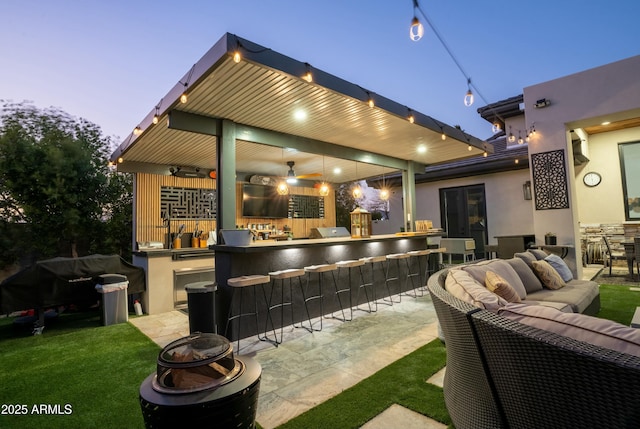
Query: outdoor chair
[{"x": 610, "y": 255}]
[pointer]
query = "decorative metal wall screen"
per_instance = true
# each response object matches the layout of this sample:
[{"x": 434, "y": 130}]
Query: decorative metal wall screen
[
  {"x": 187, "y": 203},
  {"x": 550, "y": 180},
  {"x": 306, "y": 207}
]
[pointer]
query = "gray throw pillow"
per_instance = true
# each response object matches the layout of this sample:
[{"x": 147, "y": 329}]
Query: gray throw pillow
[
  {"x": 531, "y": 282},
  {"x": 560, "y": 266},
  {"x": 538, "y": 253}
]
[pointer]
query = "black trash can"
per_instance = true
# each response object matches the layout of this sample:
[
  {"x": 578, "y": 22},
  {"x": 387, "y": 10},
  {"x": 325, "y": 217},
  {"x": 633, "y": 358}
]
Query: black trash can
[{"x": 201, "y": 302}]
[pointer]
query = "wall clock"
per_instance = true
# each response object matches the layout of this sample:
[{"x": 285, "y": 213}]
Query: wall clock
[{"x": 592, "y": 179}]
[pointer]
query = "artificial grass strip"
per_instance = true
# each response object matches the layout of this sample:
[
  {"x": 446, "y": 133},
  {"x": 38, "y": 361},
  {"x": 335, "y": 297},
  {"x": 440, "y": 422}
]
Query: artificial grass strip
[
  {"x": 87, "y": 378},
  {"x": 402, "y": 382},
  {"x": 618, "y": 303}
]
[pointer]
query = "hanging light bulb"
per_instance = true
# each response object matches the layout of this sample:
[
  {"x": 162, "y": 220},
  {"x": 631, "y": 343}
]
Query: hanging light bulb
[
  {"x": 155, "y": 119},
  {"x": 282, "y": 188},
  {"x": 384, "y": 194},
  {"x": 137, "y": 131},
  {"x": 357, "y": 192},
  {"x": 184, "y": 97},
  {"x": 520, "y": 139},
  {"x": 410, "y": 117},
  {"x": 469, "y": 148},
  {"x": 495, "y": 127},
  {"x": 443, "y": 136},
  {"x": 485, "y": 154},
  {"x": 416, "y": 30},
  {"x": 517, "y": 161},
  {"x": 511, "y": 137},
  {"x": 237, "y": 57},
  {"x": 308, "y": 76},
  {"x": 324, "y": 189}
]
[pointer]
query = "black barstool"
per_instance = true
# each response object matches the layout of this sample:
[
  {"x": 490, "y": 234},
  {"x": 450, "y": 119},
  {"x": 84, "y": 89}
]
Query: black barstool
[
  {"x": 397, "y": 257},
  {"x": 416, "y": 256},
  {"x": 240, "y": 284}
]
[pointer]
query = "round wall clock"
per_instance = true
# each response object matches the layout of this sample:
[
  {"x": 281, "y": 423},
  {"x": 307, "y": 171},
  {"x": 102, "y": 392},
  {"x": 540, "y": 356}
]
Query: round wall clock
[{"x": 592, "y": 179}]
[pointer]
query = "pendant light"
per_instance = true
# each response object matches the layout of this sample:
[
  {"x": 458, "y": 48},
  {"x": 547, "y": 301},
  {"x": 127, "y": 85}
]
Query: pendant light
[
  {"x": 357, "y": 190},
  {"x": 324, "y": 186},
  {"x": 282, "y": 187},
  {"x": 384, "y": 191}
]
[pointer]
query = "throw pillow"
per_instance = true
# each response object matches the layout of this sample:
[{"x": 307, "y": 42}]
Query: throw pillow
[
  {"x": 500, "y": 287},
  {"x": 548, "y": 275},
  {"x": 538, "y": 253},
  {"x": 528, "y": 257},
  {"x": 560, "y": 266},
  {"x": 588, "y": 329},
  {"x": 529, "y": 279},
  {"x": 464, "y": 287}
]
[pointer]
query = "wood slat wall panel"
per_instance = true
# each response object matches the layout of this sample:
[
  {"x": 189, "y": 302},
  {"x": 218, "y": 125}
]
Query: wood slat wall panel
[{"x": 148, "y": 221}]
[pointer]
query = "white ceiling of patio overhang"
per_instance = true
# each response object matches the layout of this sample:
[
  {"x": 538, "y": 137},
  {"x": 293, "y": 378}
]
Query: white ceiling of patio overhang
[{"x": 264, "y": 91}]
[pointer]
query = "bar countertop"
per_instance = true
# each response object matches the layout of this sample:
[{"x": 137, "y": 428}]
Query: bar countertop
[{"x": 265, "y": 245}]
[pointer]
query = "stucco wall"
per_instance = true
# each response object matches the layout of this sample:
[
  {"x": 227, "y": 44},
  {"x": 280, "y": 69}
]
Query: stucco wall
[{"x": 603, "y": 203}]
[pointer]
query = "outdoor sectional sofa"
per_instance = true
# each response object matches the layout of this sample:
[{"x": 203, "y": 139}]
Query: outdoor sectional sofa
[{"x": 531, "y": 365}]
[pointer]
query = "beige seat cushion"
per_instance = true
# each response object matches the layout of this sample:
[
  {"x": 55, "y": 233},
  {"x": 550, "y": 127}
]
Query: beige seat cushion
[
  {"x": 588, "y": 329},
  {"x": 579, "y": 294}
]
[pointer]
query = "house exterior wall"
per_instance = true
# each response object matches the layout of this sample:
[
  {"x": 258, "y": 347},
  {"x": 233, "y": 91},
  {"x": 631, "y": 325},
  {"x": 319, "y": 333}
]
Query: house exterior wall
[
  {"x": 605, "y": 202},
  {"x": 596, "y": 93}
]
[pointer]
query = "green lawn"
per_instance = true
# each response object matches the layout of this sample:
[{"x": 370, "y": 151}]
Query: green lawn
[{"x": 89, "y": 375}]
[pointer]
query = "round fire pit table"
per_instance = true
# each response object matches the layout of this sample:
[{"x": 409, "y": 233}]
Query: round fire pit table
[{"x": 199, "y": 382}]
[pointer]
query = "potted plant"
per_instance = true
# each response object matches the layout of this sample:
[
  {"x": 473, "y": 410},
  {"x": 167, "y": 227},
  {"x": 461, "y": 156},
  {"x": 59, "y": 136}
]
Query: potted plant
[{"x": 550, "y": 239}]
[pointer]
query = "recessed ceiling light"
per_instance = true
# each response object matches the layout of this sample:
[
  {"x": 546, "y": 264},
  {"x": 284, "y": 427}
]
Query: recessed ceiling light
[
  {"x": 337, "y": 170},
  {"x": 300, "y": 115},
  {"x": 422, "y": 149},
  {"x": 606, "y": 123}
]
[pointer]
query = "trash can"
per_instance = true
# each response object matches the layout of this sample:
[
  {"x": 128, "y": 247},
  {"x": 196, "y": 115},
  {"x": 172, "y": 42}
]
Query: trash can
[
  {"x": 201, "y": 303},
  {"x": 114, "y": 305}
]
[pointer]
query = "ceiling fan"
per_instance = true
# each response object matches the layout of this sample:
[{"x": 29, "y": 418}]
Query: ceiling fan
[{"x": 292, "y": 177}]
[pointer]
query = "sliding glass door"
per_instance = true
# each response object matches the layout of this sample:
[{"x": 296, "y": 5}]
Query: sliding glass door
[{"x": 463, "y": 214}]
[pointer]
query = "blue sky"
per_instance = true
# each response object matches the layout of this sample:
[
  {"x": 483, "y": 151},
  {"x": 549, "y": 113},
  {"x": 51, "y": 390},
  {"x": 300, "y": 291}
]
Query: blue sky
[{"x": 111, "y": 61}]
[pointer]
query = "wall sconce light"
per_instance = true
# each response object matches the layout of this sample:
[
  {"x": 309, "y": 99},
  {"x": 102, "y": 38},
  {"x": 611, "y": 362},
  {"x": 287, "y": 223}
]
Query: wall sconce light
[{"x": 526, "y": 190}]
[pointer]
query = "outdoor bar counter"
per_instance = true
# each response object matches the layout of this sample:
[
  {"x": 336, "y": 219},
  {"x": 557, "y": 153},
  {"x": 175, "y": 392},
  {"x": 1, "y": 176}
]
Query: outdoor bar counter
[{"x": 262, "y": 257}]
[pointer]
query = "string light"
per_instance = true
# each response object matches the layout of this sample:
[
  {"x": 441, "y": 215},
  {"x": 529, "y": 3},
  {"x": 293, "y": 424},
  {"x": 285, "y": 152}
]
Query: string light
[
  {"x": 156, "y": 116},
  {"x": 370, "y": 101},
  {"x": 410, "y": 116},
  {"x": 137, "y": 131},
  {"x": 416, "y": 30},
  {"x": 184, "y": 97},
  {"x": 468, "y": 98},
  {"x": 511, "y": 137},
  {"x": 308, "y": 76},
  {"x": 495, "y": 127}
]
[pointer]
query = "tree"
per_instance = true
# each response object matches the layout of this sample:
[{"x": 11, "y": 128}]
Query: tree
[{"x": 54, "y": 177}]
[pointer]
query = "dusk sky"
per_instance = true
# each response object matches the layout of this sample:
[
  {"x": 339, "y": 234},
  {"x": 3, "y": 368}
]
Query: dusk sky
[{"x": 110, "y": 62}]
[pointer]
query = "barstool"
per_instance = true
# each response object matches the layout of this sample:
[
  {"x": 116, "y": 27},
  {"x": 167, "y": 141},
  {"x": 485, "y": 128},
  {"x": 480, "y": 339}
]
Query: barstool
[
  {"x": 282, "y": 275},
  {"x": 371, "y": 262},
  {"x": 423, "y": 276},
  {"x": 350, "y": 264},
  {"x": 241, "y": 283},
  {"x": 321, "y": 270},
  {"x": 397, "y": 257}
]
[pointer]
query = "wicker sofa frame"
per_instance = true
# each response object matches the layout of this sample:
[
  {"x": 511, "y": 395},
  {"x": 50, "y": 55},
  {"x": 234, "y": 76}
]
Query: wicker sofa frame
[{"x": 504, "y": 374}]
